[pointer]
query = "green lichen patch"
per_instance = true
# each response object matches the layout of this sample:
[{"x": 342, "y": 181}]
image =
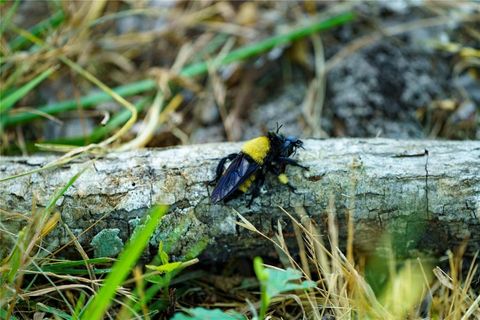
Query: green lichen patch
[{"x": 107, "y": 243}]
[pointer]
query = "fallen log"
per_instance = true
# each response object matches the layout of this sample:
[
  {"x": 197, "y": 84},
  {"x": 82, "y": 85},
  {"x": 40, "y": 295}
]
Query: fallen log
[{"x": 425, "y": 194}]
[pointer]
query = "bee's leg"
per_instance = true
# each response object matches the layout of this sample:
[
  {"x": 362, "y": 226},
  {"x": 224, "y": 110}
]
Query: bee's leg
[
  {"x": 275, "y": 169},
  {"x": 279, "y": 171},
  {"x": 292, "y": 162},
  {"x": 257, "y": 185},
  {"x": 292, "y": 188},
  {"x": 221, "y": 167},
  {"x": 282, "y": 177}
]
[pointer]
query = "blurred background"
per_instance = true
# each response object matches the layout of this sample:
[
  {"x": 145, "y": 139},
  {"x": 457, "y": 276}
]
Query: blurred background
[{"x": 207, "y": 71}]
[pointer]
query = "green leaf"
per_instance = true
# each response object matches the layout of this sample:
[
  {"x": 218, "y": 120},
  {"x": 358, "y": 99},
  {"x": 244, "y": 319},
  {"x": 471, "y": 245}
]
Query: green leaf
[
  {"x": 163, "y": 281},
  {"x": 162, "y": 254},
  {"x": 8, "y": 102},
  {"x": 262, "y": 276},
  {"x": 280, "y": 281},
  {"x": 206, "y": 314},
  {"x": 120, "y": 270},
  {"x": 259, "y": 269},
  {"x": 276, "y": 281}
]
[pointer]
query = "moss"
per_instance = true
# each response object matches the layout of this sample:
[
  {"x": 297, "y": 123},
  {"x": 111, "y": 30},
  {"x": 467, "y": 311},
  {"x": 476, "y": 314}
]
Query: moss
[{"x": 107, "y": 243}]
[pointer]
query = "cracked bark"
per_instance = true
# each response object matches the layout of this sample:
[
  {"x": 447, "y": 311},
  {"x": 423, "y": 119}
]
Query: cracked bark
[{"x": 428, "y": 202}]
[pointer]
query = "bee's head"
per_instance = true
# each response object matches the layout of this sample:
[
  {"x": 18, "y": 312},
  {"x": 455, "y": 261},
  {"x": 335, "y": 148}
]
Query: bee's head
[
  {"x": 287, "y": 146},
  {"x": 290, "y": 145}
]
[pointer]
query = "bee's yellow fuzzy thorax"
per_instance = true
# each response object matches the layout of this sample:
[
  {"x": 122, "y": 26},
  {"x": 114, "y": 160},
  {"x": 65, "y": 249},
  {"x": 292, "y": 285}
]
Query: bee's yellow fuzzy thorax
[{"x": 257, "y": 148}]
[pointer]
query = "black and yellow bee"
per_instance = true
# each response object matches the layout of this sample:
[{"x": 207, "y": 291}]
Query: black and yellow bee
[{"x": 247, "y": 169}]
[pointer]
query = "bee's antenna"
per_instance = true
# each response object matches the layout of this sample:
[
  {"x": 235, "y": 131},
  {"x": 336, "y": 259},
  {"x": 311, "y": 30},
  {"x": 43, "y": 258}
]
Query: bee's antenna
[{"x": 278, "y": 127}]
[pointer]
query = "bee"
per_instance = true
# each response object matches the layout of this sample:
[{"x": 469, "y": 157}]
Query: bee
[{"x": 248, "y": 168}]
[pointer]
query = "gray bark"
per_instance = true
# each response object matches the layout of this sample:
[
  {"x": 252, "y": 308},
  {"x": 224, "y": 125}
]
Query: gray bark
[{"x": 428, "y": 203}]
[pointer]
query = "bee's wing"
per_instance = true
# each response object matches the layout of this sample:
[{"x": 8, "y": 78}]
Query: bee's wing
[{"x": 239, "y": 170}]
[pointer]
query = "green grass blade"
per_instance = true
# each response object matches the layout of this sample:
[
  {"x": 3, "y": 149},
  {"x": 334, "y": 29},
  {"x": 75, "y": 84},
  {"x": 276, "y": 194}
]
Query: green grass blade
[
  {"x": 60, "y": 192},
  {"x": 86, "y": 102},
  {"x": 8, "y": 102},
  {"x": 77, "y": 267},
  {"x": 116, "y": 121},
  {"x": 270, "y": 43},
  {"x": 77, "y": 272},
  {"x": 78, "y": 263},
  {"x": 8, "y": 16},
  {"x": 102, "y": 131},
  {"x": 58, "y": 313},
  {"x": 190, "y": 71},
  {"x": 40, "y": 28},
  {"x": 4, "y": 313},
  {"x": 79, "y": 306},
  {"x": 14, "y": 259},
  {"x": 127, "y": 259}
]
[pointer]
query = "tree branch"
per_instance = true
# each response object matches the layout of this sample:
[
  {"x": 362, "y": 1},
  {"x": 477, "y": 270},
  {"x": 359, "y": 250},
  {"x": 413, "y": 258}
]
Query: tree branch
[{"x": 425, "y": 200}]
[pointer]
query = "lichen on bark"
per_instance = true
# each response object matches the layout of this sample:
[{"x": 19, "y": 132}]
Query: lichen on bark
[{"x": 431, "y": 202}]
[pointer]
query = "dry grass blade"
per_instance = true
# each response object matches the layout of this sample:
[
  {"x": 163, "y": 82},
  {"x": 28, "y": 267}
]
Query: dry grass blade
[
  {"x": 282, "y": 248},
  {"x": 245, "y": 223},
  {"x": 322, "y": 254},
  {"x": 315, "y": 97},
  {"x": 444, "y": 278},
  {"x": 124, "y": 129},
  {"x": 150, "y": 124},
  {"x": 302, "y": 251},
  {"x": 84, "y": 256},
  {"x": 249, "y": 226},
  {"x": 42, "y": 292},
  {"x": 473, "y": 309},
  {"x": 137, "y": 275},
  {"x": 62, "y": 277},
  {"x": 78, "y": 151},
  {"x": 334, "y": 281},
  {"x": 81, "y": 233}
]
